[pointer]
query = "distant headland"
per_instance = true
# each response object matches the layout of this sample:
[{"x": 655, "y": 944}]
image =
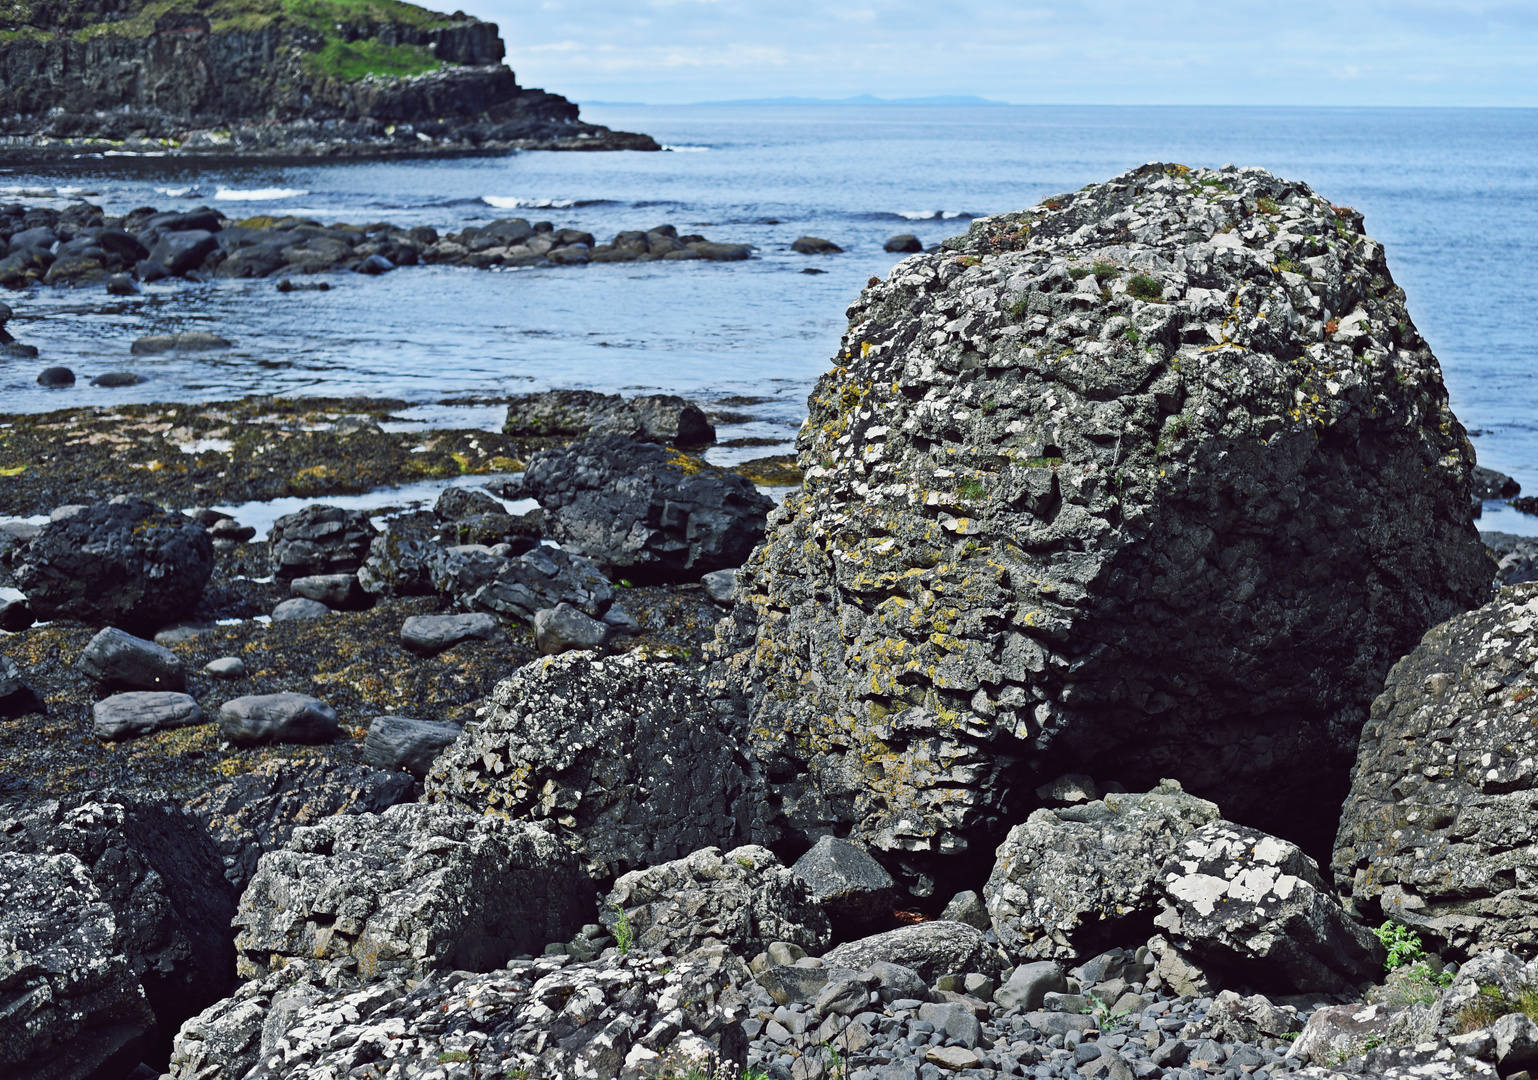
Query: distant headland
[{"x": 269, "y": 78}]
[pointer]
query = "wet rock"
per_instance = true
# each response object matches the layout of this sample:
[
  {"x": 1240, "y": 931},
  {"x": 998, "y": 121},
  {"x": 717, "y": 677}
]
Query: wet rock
[
  {"x": 1029, "y": 983},
  {"x": 399, "y": 565},
  {"x": 416, "y": 889},
  {"x": 904, "y": 243},
  {"x": 81, "y": 1009},
  {"x": 932, "y": 949},
  {"x": 114, "y": 379},
  {"x": 460, "y": 502},
  {"x": 188, "y": 341},
  {"x": 1489, "y": 484},
  {"x": 156, "y": 871},
  {"x": 431, "y": 634},
  {"x": 1438, "y": 813},
  {"x": 123, "y": 716},
  {"x": 853, "y": 888},
  {"x": 15, "y": 615},
  {"x": 721, "y": 586},
  {"x": 645, "y": 510},
  {"x": 563, "y": 628},
  {"x": 258, "y": 812},
  {"x": 664, "y": 418},
  {"x": 319, "y": 540},
  {"x": 1018, "y": 548},
  {"x": 183, "y": 250},
  {"x": 121, "y": 285},
  {"x": 1246, "y": 901},
  {"x": 340, "y": 591},
  {"x": 1062, "y": 880},
  {"x": 517, "y": 588},
  {"x": 226, "y": 667},
  {"x": 814, "y": 245},
  {"x": 117, "y": 660},
  {"x": 374, "y": 265},
  {"x": 621, "y": 757},
  {"x": 398, "y": 742},
  {"x": 124, "y": 563},
  {"x": 742, "y": 899},
  {"x": 54, "y": 377},
  {"x": 299, "y": 608},
  {"x": 556, "y": 412},
  {"x": 287, "y": 717}
]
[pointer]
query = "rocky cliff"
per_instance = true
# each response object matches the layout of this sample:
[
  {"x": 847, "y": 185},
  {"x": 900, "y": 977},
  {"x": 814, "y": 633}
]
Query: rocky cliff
[{"x": 270, "y": 78}]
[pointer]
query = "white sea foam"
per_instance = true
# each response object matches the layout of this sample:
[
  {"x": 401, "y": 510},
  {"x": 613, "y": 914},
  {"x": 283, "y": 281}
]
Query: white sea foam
[
  {"x": 932, "y": 215},
  {"x": 685, "y": 149},
  {"x": 511, "y": 202},
  {"x": 266, "y": 194},
  {"x": 176, "y": 192}
]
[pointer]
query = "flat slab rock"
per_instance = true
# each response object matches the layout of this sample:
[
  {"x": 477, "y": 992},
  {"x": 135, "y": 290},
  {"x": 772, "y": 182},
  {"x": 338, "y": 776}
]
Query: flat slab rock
[
  {"x": 139, "y": 712},
  {"x": 431, "y": 634},
  {"x": 932, "y": 949},
  {"x": 285, "y": 717}
]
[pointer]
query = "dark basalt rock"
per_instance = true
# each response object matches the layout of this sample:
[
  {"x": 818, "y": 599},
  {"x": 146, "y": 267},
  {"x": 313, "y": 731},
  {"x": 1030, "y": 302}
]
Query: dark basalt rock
[
  {"x": 1439, "y": 815},
  {"x": 932, "y": 949},
  {"x": 663, "y": 418},
  {"x": 646, "y": 511},
  {"x": 259, "y": 811},
  {"x": 1157, "y": 475},
  {"x": 155, "y": 869},
  {"x": 399, "y": 742},
  {"x": 621, "y": 757},
  {"x": 117, "y": 660},
  {"x": 124, "y": 563},
  {"x": 416, "y": 889},
  {"x": 853, "y": 888},
  {"x": 319, "y": 540}
]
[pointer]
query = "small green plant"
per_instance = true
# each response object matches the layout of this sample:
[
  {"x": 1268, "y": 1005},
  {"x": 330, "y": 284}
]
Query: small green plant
[
  {"x": 1131, "y": 334},
  {"x": 836, "y": 1068},
  {"x": 971, "y": 489},
  {"x": 518, "y": 1072},
  {"x": 1042, "y": 462},
  {"x": 1105, "y": 270},
  {"x": 1267, "y": 206},
  {"x": 452, "y": 1056},
  {"x": 1402, "y": 945},
  {"x": 989, "y": 407},
  {"x": 1144, "y": 287},
  {"x": 1287, "y": 266},
  {"x": 745, "y": 863},
  {"x": 624, "y": 933}
]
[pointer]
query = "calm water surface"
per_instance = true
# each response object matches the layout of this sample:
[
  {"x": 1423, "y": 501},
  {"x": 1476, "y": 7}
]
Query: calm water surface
[{"x": 1452, "y": 194}]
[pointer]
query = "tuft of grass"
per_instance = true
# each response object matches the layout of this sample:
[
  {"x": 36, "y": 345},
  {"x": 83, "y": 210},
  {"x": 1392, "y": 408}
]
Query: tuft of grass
[
  {"x": 1491, "y": 1003},
  {"x": 624, "y": 933},
  {"x": 1267, "y": 206},
  {"x": 451, "y": 1056},
  {"x": 1131, "y": 334},
  {"x": 971, "y": 489},
  {"x": 353, "y": 60},
  {"x": 1144, "y": 287}
]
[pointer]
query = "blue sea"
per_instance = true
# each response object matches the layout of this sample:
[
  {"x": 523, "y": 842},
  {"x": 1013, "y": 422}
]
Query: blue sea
[{"x": 1452, "y": 194}]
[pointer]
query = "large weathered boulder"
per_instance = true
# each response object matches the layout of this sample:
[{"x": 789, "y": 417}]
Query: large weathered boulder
[
  {"x": 544, "y": 1018},
  {"x": 258, "y": 811},
  {"x": 284, "y": 718},
  {"x": 139, "y": 712},
  {"x": 621, "y": 757},
  {"x": 1438, "y": 830},
  {"x": 932, "y": 949},
  {"x": 399, "y": 742},
  {"x": 643, "y": 509},
  {"x": 75, "y": 1008},
  {"x": 319, "y": 540},
  {"x": 119, "y": 661},
  {"x": 517, "y": 588},
  {"x": 418, "y": 888},
  {"x": 651, "y": 418},
  {"x": 743, "y": 899},
  {"x": 853, "y": 888},
  {"x": 1157, "y": 475},
  {"x": 155, "y": 869},
  {"x": 1244, "y": 901},
  {"x": 1064, "y": 879},
  {"x": 124, "y": 562}
]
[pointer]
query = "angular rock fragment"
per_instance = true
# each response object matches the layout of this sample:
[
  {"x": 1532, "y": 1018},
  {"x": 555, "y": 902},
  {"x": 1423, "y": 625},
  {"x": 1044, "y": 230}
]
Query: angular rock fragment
[
  {"x": 119, "y": 661},
  {"x": 932, "y": 949},
  {"x": 646, "y": 510},
  {"x": 399, "y": 742},
  {"x": 416, "y": 889},
  {"x": 1070, "y": 487},
  {"x": 319, "y": 540},
  {"x": 743, "y": 899},
  {"x": 517, "y": 588},
  {"x": 622, "y": 757},
  {"x": 563, "y": 628},
  {"x": 125, "y": 563},
  {"x": 853, "y": 888}
]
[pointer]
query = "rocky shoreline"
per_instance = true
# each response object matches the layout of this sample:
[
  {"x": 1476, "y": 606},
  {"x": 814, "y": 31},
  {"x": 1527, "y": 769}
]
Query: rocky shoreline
[{"x": 1133, "y": 536}]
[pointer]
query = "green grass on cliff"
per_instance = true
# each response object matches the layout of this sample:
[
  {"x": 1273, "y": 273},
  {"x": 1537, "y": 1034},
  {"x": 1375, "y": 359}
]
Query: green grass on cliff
[{"x": 337, "y": 58}]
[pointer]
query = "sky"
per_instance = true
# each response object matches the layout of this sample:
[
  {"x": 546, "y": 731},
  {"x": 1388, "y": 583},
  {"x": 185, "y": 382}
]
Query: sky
[{"x": 1111, "y": 52}]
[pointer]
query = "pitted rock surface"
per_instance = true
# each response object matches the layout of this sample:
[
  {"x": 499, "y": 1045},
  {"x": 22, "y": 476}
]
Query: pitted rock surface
[
  {"x": 258, "y": 811},
  {"x": 1157, "y": 475},
  {"x": 154, "y": 868},
  {"x": 418, "y": 888},
  {"x": 621, "y": 757},
  {"x": 615, "y": 1017},
  {"x": 932, "y": 949},
  {"x": 645, "y": 510},
  {"x": 125, "y": 562},
  {"x": 1439, "y": 830},
  {"x": 73, "y": 1003},
  {"x": 650, "y": 418},
  {"x": 1243, "y": 900},
  {"x": 517, "y": 588},
  {"x": 319, "y": 540},
  {"x": 743, "y": 899},
  {"x": 1062, "y": 880}
]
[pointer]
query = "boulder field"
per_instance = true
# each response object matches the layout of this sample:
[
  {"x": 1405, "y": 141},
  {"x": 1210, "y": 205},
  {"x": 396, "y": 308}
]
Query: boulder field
[{"x": 1010, "y": 746}]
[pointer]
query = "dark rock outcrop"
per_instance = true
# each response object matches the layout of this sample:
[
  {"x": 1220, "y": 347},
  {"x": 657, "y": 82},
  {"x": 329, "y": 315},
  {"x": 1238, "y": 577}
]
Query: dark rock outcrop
[
  {"x": 1438, "y": 827},
  {"x": 853, "y": 888},
  {"x": 663, "y": 418},
  {"x": 1157, "y": 475},
  {"x": 416, "y": 889},
  {"x": 644, "y": 510},
  {"x": 124, "y": 563},
  {"x": 155, "y": 870},
  {"x": 932, "y": 949},
  {"x": 327, "y": 80},
  {"x": 319, "y": 540},
  {"x": 621, "y": 757}
]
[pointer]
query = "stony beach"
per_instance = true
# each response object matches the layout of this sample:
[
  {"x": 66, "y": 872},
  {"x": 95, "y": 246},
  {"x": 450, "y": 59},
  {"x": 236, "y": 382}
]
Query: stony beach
[{"x": 1122, "y": 689}]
